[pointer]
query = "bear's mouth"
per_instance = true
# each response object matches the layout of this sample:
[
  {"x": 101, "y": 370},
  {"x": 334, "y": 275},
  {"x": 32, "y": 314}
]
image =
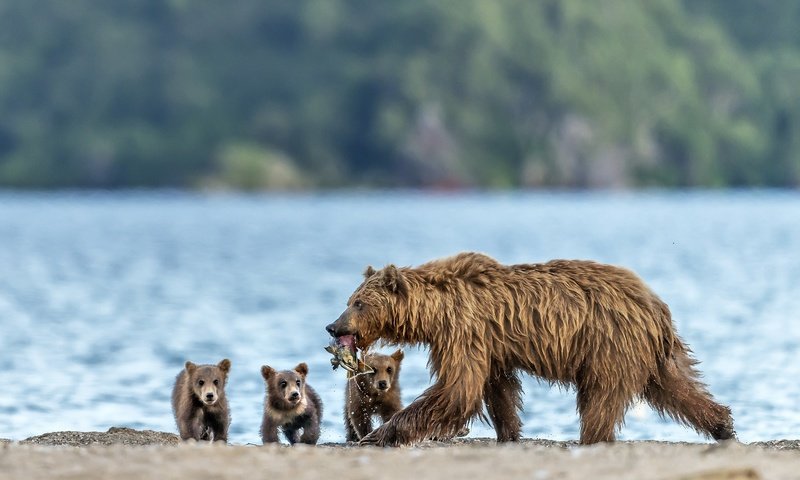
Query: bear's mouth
[
  {"x": 344, "y": 351},
  {"x": 349, "y": 342}
]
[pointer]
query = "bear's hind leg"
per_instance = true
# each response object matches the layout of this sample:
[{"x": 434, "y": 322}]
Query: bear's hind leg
[
  {"x": 602, "y": 412},
  {"x": 292, "y": 434},
  {"x": 678, "y": 393},
  {"x": 502, "y": 395}
]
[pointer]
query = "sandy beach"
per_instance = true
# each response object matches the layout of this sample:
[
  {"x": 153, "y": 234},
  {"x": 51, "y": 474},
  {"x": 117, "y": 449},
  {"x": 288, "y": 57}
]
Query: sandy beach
[{"x": 127, "y": 454}]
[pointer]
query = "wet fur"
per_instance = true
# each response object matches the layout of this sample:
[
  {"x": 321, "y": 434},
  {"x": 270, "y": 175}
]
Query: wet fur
[
  {"x": 291, "y": 418},
  {"x": 195, "y": 419},
  {"x": 363, "y": 398},
  {"x": 596, "y": 327}
]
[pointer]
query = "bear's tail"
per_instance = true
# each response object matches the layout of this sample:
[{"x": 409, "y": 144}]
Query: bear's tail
[{"x": 676, "y": 390}]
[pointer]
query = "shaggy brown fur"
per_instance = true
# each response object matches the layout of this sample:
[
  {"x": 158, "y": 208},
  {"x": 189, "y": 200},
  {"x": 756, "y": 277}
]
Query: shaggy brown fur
[
  {"x": 370, "y": 394},
  {"x": 291, "y": 405},
  {"x": 199, "y": 403},
  {"x": 597, "y": 327}
]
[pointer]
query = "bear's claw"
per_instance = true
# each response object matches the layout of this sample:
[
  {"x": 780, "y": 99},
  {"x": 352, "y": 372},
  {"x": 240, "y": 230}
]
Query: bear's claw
[{"x": 383, "y": 436}]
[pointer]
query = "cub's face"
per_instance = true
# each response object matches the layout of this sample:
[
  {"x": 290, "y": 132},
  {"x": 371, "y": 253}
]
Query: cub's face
[
  {"x": 208, "y": 381},
  {"x": 286, "y": 388},
  {"x": 387, "y": 369}
]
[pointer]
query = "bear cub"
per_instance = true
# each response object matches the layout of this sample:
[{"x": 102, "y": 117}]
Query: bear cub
[
  {"x": 291, "y": 405},
  {"x": 370, "y": 394},
  {"x": 199, "y": 403}
]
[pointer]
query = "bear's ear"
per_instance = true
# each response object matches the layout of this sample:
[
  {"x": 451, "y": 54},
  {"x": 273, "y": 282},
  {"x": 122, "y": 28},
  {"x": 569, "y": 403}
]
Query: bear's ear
[
  {"x": 393, "y": 280},
  {"x": 225, "y": 366},
  {"x": 369, "y": 272},
  {"x": 302, "y": 369},
  {"x": 267, "y": 372},
  {"x": 398, "y": 356},
  {"x": 190, "y": 367}
]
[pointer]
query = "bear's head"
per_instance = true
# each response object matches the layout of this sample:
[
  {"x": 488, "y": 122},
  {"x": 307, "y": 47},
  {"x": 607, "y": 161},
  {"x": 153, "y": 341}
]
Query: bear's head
[
  {"x": 372, "y": 310},
  {"x": 287, "y": 389},
  {"x": 208, "y": 381},
  {"x": 386, "y": 369}
]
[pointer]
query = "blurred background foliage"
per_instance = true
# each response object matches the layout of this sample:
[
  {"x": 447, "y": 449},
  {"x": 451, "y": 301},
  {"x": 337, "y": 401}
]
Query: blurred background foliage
[{"x": 258, "y": 94}]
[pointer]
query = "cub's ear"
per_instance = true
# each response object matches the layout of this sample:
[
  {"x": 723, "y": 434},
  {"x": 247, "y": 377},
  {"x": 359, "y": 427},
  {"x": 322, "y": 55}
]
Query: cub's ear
[
  {"x": 302, "y": 369},
  {"x": 398, "y": 356},
  {"x": 393, "y": 279},
  {"x": 369, "y": 271},
  {"x": 267, "y": 372},
  {"x": 225, "y": 366},
  {"x": 190, "y": 367}
]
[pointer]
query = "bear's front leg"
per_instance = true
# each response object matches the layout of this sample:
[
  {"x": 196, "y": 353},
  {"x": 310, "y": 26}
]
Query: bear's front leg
[
  {"x": 219, "y": 435},
  {"x": 384, "y": 436},
  {"x": 441, "y": 412},
  {"x": 217, "y": 427},
  {"x": 269, "y": 431},
  {"x": 360, "y": 422},
  {"x": 311, "y": 431},
  {"x": 199, "y": 429}
]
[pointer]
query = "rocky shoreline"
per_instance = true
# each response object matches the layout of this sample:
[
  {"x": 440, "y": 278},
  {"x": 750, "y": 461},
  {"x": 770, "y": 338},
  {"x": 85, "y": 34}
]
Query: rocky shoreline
[
  {"x": 124, "y": 453},
  {"x": 113, "y": 436},
  {"x": 132, "y": 437}
]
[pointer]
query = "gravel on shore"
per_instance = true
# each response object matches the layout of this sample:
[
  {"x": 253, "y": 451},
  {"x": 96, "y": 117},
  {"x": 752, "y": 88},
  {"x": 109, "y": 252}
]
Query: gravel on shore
[{"x": 123, "y": 453}]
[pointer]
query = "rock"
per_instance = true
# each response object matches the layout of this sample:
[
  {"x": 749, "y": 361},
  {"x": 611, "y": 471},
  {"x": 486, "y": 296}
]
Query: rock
[
  {"x": 114, "y": 436},
  {"x": 725, "y": 474},
  {"x": 778, "y": 444}
]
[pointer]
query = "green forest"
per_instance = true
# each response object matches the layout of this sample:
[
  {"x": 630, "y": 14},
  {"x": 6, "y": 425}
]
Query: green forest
[{"x": 274, "y": 94}]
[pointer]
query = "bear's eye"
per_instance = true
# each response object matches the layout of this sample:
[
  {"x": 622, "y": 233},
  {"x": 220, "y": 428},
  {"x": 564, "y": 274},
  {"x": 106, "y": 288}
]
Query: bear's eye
[
  {"x": 216, "y": 382},
  {"x": 282, "y": 384},
  {"x": 201, "y": 382},
  {"x": 389, "y": 370},
  {"x": 358, "y": 304}
]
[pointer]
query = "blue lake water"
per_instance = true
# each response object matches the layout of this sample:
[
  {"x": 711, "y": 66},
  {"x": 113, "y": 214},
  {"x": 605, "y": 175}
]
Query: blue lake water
[{"x": 104, "y": 296}]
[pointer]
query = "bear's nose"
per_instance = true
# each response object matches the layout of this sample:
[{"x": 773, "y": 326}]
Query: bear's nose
[
  {"x": 294, "y": 395},
  {"x": 383, "y": 385},
  {"x": 209, "y": 396},
  {"x": 331, "y": 329}
]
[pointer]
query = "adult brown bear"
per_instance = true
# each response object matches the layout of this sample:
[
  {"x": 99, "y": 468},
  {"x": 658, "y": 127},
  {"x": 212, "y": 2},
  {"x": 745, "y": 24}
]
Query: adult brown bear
[{"x": 594, "y": 326}]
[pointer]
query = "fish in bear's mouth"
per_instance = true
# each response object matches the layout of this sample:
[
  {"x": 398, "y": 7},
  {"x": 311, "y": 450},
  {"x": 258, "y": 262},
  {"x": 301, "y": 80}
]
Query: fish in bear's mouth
[
  {"x": 349, "y": 342},
  {"x": 345, "y": 354}
]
